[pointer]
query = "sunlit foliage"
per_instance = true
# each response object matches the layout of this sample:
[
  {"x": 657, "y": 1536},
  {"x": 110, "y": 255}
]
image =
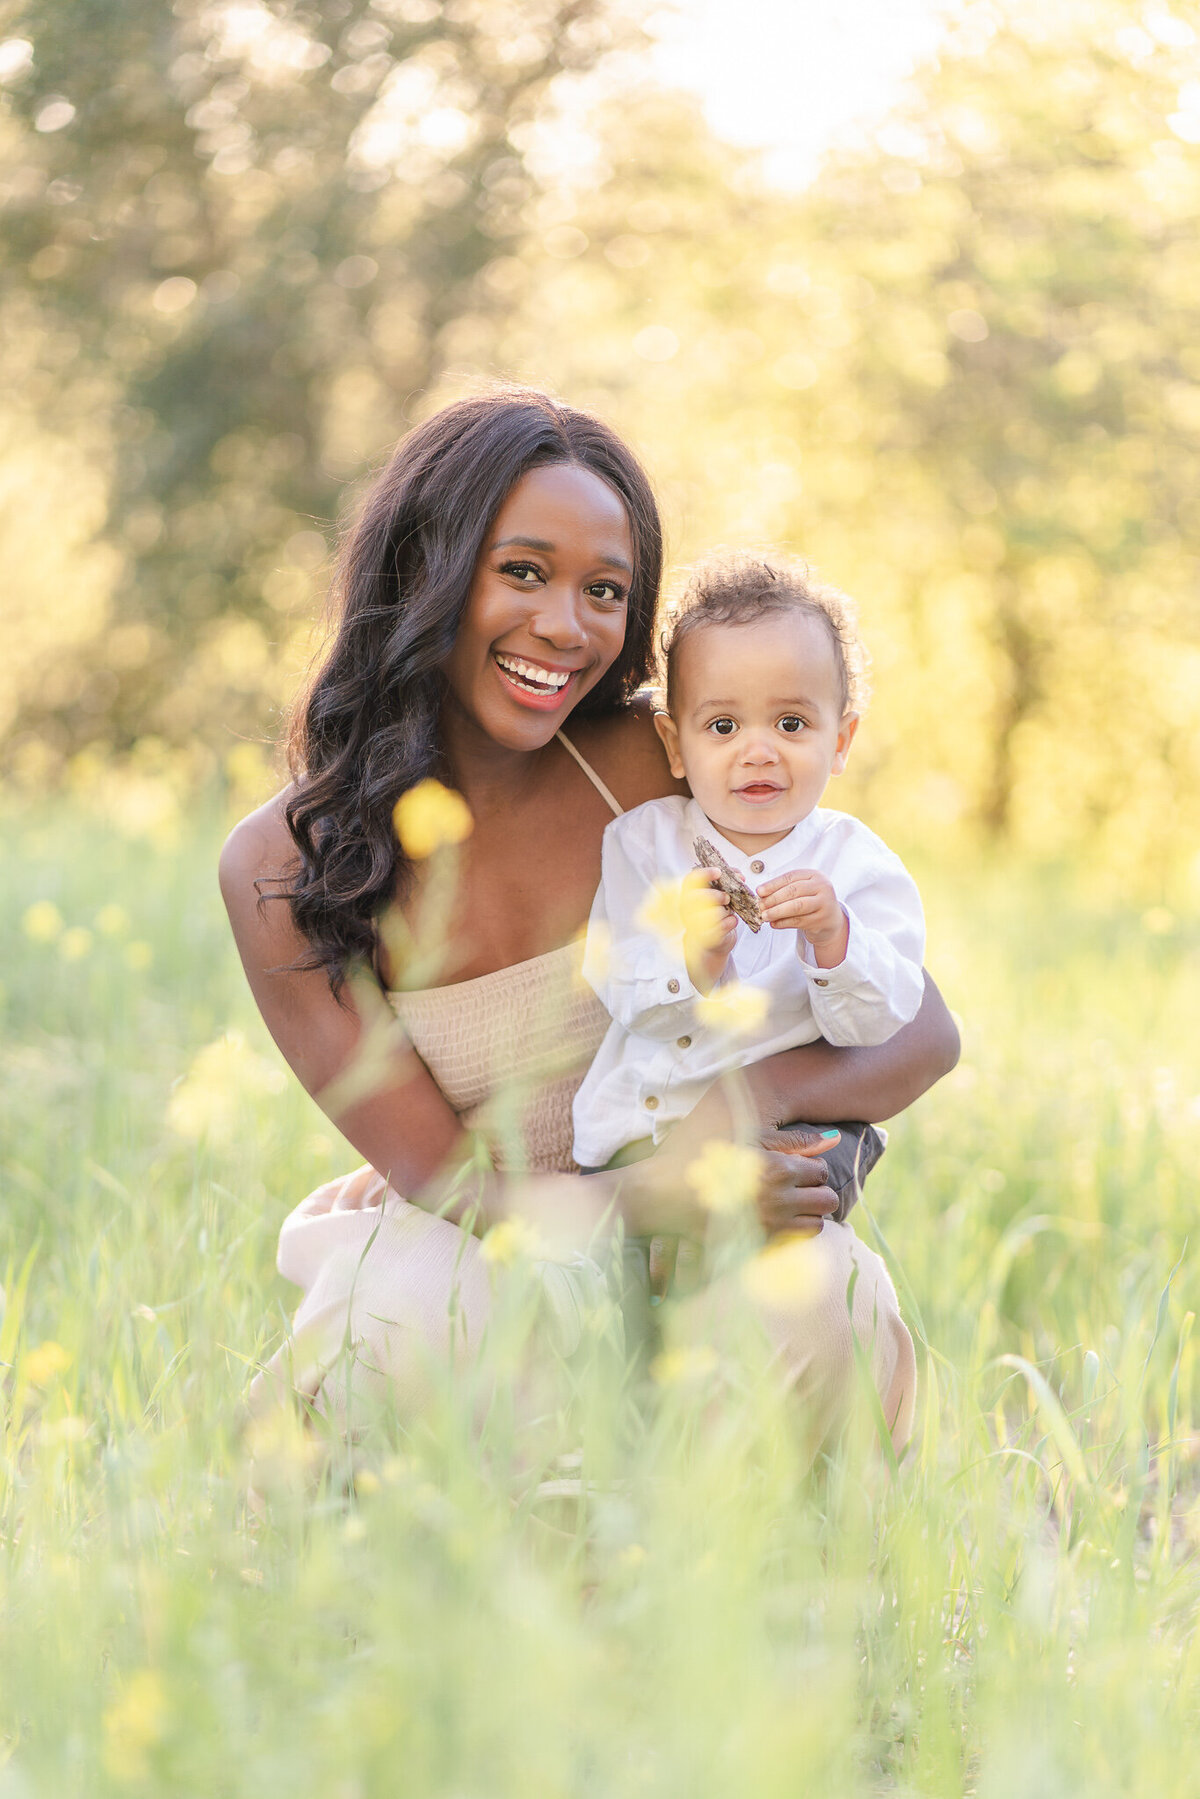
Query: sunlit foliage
[{"x": 959, "y": 372}]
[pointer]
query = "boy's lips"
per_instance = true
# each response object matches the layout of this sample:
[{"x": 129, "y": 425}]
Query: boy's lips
[{"x": 758, "y": 792}]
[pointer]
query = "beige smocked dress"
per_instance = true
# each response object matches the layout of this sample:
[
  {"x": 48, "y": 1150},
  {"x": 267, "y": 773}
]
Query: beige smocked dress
[{"x": 387, "y": 1286}]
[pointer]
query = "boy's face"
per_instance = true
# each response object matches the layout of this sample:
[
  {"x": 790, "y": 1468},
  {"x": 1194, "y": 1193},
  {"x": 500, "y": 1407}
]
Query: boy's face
[{"x": 756, "y": 726}]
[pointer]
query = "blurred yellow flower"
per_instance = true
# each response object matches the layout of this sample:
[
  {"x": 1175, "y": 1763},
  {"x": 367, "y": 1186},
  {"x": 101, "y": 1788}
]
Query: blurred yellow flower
[
  {"x": 138, "y": 955},
  {"x": 511, "y": 1238},
  {"x": 678, "y": 1367},
  {"x": 676, "y": 911},
  {"x": 282, "y": 1452},
  {"x": 47, "y": 1362},
  {"x": 134, "y": 1723},
  {"x": 223, "y": 1076},
  {"x": 42, "y": 921},
  {"x": 787, "y": 1274},
  {"x": 724, "y": 1176},
  {"x": 429, "y": 816},
  {"x": 1158, "y": 921},
  {"x": 71, "y": 1429},
  {"x": 599, "y": 955},
  {"x": 734, "y": 1008},
  {"x": 75, "y": 944},
  {"x": 112, "y": 921}
]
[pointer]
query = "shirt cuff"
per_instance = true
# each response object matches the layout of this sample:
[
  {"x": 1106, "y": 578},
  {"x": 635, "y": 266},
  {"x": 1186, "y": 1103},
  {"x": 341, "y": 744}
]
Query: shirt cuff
[
  {"x": 848, "y": 973},
  {"x": 665, "y": 982}
]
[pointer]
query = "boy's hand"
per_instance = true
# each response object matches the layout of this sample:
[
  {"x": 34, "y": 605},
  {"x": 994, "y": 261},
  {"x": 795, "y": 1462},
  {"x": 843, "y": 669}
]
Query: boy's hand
[
  {"x": 709, "y": 928},
  {"x": 805, "y": 901}
]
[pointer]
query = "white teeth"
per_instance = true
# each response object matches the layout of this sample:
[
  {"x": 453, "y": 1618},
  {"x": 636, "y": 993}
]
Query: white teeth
[{"x": 530, "y": 675}]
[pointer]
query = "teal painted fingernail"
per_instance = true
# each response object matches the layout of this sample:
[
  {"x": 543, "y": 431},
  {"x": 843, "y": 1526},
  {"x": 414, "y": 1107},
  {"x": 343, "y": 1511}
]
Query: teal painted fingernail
[{"x": 827, "y": 1134}]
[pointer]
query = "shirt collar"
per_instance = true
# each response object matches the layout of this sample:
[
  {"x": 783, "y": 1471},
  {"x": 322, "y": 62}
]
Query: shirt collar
[{"x": 789, "y": 852}]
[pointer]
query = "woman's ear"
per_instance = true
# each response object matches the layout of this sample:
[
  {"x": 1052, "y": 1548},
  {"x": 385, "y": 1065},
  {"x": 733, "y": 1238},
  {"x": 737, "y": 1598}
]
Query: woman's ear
[
  {"x": 845, "y": 738},
  {"x": 664, "y": 724}
]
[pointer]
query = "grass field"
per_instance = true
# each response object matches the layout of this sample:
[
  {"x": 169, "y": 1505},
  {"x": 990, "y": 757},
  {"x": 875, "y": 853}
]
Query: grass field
[{"x": 1013, "y": 1614}]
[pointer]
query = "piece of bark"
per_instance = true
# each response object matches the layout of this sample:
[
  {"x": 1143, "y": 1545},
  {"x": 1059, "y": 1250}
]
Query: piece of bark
[{"x": 741, "y": 899}]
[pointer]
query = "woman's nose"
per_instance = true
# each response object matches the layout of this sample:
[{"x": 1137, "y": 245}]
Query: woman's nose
[{"x": 557, "y": 618}]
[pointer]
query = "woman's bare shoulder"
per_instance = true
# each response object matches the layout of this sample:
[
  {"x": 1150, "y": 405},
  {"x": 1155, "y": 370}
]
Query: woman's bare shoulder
[
  {"x": 257, "y": 848},
  {"x": 627, "y": 753}
]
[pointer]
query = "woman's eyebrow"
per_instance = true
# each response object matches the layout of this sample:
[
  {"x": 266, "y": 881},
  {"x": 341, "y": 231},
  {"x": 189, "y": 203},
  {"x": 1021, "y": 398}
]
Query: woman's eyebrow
[
  {"x": 526, "y": 543},
  {"x": 548, "y": 549}
]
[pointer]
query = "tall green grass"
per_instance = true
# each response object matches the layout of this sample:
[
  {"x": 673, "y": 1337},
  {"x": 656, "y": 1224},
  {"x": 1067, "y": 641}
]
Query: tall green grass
[{"x": 1012, "y": 1612}]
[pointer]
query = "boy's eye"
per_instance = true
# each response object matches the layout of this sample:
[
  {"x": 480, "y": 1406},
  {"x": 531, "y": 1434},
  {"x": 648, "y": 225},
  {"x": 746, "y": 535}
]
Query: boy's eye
[
  {"x": 722, "y": 727},
  {"x": 525, "y": 572},
  {"x": 791, "y": 723}
]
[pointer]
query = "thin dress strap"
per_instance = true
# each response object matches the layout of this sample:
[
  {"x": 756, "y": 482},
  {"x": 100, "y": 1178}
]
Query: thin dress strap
[{"x": 590, "y": 772}]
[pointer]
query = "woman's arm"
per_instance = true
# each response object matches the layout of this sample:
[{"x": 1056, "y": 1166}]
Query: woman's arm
[
  {"x": 822, "y": 1084},
  {"x": 362, "y": 1072}
]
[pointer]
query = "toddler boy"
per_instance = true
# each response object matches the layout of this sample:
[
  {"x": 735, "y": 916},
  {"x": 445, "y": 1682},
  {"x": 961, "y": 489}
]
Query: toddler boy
[{"x": 762, "y": 676}]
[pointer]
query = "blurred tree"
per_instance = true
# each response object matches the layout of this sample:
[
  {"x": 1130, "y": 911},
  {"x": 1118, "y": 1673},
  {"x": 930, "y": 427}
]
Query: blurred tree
[
  {"x": 238, "y": 231},
  {"x": 960, "y": 372}
]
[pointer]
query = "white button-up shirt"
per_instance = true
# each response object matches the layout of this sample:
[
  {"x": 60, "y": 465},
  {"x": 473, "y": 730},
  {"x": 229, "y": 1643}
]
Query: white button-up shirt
[{"x": 658, "y": 1058}]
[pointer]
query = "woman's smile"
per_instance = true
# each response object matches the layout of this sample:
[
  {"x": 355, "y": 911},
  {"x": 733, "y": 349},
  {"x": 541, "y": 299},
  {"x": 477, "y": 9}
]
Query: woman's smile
[{"x": 535, "y": 684}]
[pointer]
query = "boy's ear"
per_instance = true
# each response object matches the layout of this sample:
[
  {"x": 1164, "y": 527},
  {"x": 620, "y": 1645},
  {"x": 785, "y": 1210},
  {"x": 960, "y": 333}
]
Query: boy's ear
[
  {"x": 845, "y": 738},
  {"x": 664, "y": 724}
]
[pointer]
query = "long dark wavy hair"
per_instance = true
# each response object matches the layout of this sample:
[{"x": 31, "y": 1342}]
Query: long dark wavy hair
[{"x": 367, "y": 727}]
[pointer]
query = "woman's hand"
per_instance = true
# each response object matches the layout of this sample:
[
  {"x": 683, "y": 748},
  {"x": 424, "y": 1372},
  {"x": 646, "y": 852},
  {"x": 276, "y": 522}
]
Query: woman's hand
[
  {"x": 793, "y": 1192},
  {"x": 794, "y": 1195}
]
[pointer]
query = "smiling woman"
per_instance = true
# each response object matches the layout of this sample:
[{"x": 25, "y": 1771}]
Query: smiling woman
[
  {"x": 502, "y": 581},
  {"x": 546, "y": 615}
]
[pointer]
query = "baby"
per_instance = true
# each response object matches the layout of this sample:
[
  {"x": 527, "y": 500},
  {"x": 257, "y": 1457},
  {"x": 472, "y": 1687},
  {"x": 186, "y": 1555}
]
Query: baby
[{"x": 761, "y": 677}]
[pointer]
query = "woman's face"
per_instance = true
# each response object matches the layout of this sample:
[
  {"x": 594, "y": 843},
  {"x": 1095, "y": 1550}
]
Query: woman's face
[{"x": 546, "y": 614}]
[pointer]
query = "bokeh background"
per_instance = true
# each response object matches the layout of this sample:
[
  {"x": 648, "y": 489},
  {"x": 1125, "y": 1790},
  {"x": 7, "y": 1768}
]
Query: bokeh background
[
  {"x": 911, "y": 290},
  {"x": 953, "y": 359}
]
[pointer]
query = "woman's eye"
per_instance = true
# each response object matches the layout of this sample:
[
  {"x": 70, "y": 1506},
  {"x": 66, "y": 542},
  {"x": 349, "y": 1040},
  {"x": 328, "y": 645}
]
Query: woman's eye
[
  {"x": 722, "y": 727},
  {"x": 525, "y": 572},
  {"x": 790, "y": 723},
  {"x": 607, "y": 592}
]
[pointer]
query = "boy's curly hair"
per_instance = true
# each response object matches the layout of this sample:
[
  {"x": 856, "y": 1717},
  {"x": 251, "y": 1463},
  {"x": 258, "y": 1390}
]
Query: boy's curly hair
[{"x": 735, "y": 587}]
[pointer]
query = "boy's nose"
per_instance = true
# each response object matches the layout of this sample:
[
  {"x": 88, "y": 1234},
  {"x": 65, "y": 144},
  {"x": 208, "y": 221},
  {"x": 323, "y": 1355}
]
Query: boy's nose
[{"x": 759, "y": 751}]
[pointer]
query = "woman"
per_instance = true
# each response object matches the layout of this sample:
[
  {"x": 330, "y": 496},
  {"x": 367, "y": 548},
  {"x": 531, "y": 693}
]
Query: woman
[{"x": 501, "y": 584}]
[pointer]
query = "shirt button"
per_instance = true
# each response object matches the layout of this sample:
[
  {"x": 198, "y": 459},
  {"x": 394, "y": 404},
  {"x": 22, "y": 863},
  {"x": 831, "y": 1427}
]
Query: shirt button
[
  {"x": 818, "y": 982},
  {"x": 672, "y": 986},
  {"x": 756, "y": 868},
  {"x": 651, "y": 1103},
  {"x": 683, "y": 1043}
]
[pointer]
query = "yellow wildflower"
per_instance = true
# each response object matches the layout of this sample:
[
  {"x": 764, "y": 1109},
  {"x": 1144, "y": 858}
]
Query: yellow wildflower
[
  {"x": 42, "y": 921},
  {"x": 787, "y": 1274},
  {"x": 134, "y": 1723},
  {"x": 677, "y": 1367},
  {"x": 599, "y": 955},
  {"x": 74, "y": 944},
  {"x": 112, "y": 921},
  {"x": 46, "y": 1362},
  {"x": 735, "y": 1008},
  {"x": 681, "y": 912},
  {"x": 428, "y": 816},
  {"x": 223, "y": 1077},
  {"x": 511, "y": 1238},
  {"x": 138, "y": 955},
  {"x": 724, "y": 1176},
  {"x": 1158, "y": 921}
]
